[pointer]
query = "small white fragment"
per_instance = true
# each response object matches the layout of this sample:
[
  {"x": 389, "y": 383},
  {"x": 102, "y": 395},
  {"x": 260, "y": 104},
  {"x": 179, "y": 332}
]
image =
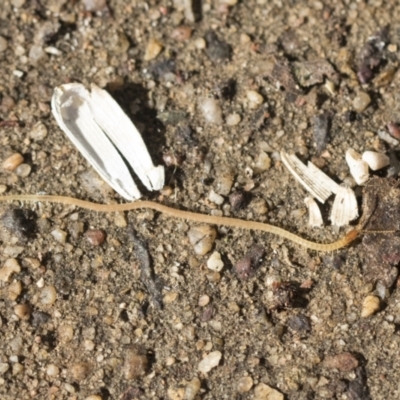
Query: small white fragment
[
  {"x": 210, "y": 362},
  {"x": 386, "y": 137},
  {"x": 215, "y": 198},
  {"x": 375, "y": 160},
  {"x": 211, "y": 111},
  {"x": 313, "y": 179},
  {"x": 315, "y": 217},
  {"x": 59, "y": 235},
  {"x": 345, "y": 207},
  {"x": 18, "y": 73},
  {"x": 358, "y": 167},
  {"x": 214, "y": 262},
  {"x": 53, "y": 51},
  {"x": 90, "y": 121}
]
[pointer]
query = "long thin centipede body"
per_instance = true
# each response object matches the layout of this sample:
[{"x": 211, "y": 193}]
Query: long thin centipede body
[{"x": 190, "y": 216}]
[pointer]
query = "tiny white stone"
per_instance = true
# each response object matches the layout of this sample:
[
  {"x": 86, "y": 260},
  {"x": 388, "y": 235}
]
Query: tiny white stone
[
  {"x": 211, "y": 111},
  {"x": 358, "y": 167},
  {"x": 375, "y": 160},
  {"x": 210, "y": 362},
  {"x": 233, "y": 119},
  {"x": 59, "y": 235},
  {"x": 255, "y": 98},
  {"x": 214, "y": 262},
  {"x": 215, "y": 198}
]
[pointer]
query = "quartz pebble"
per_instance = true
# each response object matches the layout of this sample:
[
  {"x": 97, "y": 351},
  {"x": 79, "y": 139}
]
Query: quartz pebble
[
  {"x": 255, "y": 98},
  {"x": 181, "y": 33},
  {"x": 265, "y": 392},
  {"x": 39, "y": 131},
  {"x": 244, "y": 384},
  {"x": 12, "y": 162},
  {"x": 262, "y": 164},
  {"x": 14, "y": 290},
  {"x": 211, "y": 110},
  {"x": 214, "y": 262},
  {"x": 80, "y": 371},
  {"x": 202, "y": 238},
  {"x": 204, "y": 300},
  {"x": 3, "y": 44},
  {"x": 65, "y": 333},
  {"x": 371, "y": 305},
  {"x": 233, "y": 119},
  {"x": 153, "y": 49},
  {"x": 23, "y": 170},
  {"x": 52, "y": 370},
  {"x": 135, "y": 365},
  {"x": 361, "y": 101},
  {"x": 10, "y": 267},
  {"x": 48, "y": 295},
  {"x": 59, "y": 235},
  {"x": 343, "y": 362},
  {"x": 215, "y": 198},
  {"x": 223, "y": 183},
  {"x": 192, "y": 388},
  {"x": 210, "y": 361},
  {"x": 358, "y": 167},
  {"x": 94, "y": 5},
  {"x": 375, "y": 160}
]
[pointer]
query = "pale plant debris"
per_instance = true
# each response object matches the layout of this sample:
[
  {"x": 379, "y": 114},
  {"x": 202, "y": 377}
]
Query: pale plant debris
[
  {"x": 99, "y": 128},
  {"x": 314, "y": 213},
  {"x": 344, "y": 208},
  {"x": 310, "y": 177}
]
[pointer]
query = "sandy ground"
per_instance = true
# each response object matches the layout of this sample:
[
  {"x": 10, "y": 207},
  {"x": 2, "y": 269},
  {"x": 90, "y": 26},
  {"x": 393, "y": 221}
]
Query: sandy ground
[{"x": 79, "y": 316}]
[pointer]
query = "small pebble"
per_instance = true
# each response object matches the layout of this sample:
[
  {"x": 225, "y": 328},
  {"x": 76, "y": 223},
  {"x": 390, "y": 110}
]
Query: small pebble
[
  {"x": 12, "y": 162},
  {"x": 237, "y": 200},
  {"x": 4, "y": 367},
  {"x": 170, "y": 297},
  {"x": 211, "y": 110},
  {"x": 233, "y": 119},
  {"x": 48, "y": 295},
  {"x": 299, "y": 323},
  {"x": 262, "y": 164},
  {"x": 153, "y": 49},
  {"x": 3, "y": 44},
  {"x": 65, "y": 333},
  {"x": 375, "y": 160},
  {"x": 203, "y": 300},
  {"x": 39, "y": 131},
  {"x": 361, "y": 101},
  {"x": 200, "y": 43},
  {"x": 255, "y": 98},
  {"x": 40, "y": 318},
  {"x": 244, "y": 384},
  {"x": 223, "y": 183},
  {"x": 94, "y": 5},
  {"x": 135, "y": 365},
  {"x": 59, "y": 235},
  {"x": 80, "y": 371},
  {"x": 358, "y": 167},
  {"x": 17, "y": 369},
  {"x": 215, "y": 198},
  {"x": 202, "y": 238},
  {"x": 214, "y": 262},
  {"x": 93, "y": 397},
  {"x": 36, "y": 53},
  {"x": 17, "y": 3},
  {"x": 192, "y": 388},
  {"x": 23, "y": 170},
  {"x": 371, "y": 305},
  {"x": 181, "y": 33},
  {"x": 52, "y": 370},
  {"x": 210, "y": 361},
  {"x": 14, "y": 290},
  {"x": 120, "y": 220},
  {"x": 95, "y": 237},
  {"x": 10, "y": 267},
  {"x": 343, "y": 362},
  {"x": 265, "y": 392},
  {"x": 23, "y": 311}
]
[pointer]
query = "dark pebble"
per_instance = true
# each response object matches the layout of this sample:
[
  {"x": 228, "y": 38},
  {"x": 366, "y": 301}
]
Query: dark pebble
[
  {"x": 394, "y": 130},
  {"x": 322, "y": 124},
  {"x": 19, "y": 222},
  {"x": 246, "y": 267},
  {"x": 95, "y": 237},
  {"x": 217, "y": 50},
  {"x": 39, "y": 318},
  {"x": 207, "y": 313},
  {"x": 237, "y": 200},
  {"x": 343, "y": 362},
  {"x": 299, "y": 323}
]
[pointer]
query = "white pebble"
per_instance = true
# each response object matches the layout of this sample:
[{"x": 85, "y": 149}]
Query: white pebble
[
  {"x": 48, "y": 295},
  {"x": 375, "y": 160},
  {"x": 215, "y": 198},
  {"x": 192, "y": 388},
  {"x": 210, "y": 362},
  {"x": 263, "y": 163},
  {"x": 203, "y": 300},
  {"x": 358, "y": 167},
  {"x": 233, "y": 119},
  {"x": 214, "y": 262},
  {"x": 23, "y": 170},
  {"x": 59, "y": 235},
  {"x": 211, "y": 111},
  {"x": 255, "y": 98},
  {"x": 52, "y": 370},
  {"x": 39, "y": 131},
  {"x": 202, "y": 238},
  {"x": 200, "y": 43}
]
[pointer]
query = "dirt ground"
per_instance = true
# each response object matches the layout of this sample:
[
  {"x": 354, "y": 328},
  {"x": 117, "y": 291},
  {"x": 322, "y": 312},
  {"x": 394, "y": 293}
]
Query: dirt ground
[{"x": 85, "y": 319}]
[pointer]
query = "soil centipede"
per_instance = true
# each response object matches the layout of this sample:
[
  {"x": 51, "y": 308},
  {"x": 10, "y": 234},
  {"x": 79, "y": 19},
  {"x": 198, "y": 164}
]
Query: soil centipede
[{"x": 190, "y": 216}]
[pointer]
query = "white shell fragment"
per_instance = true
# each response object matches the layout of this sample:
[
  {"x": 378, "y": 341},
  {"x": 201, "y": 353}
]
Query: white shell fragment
[
  {"x": 92, "y": 121},
  {"x": 375, "y": 160},
  {"x": 315, "y": 217},
  {"x": 345, "y": 207},
  {"x": 358, "y": 167},
  {"x": 313, "y": 179}
]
